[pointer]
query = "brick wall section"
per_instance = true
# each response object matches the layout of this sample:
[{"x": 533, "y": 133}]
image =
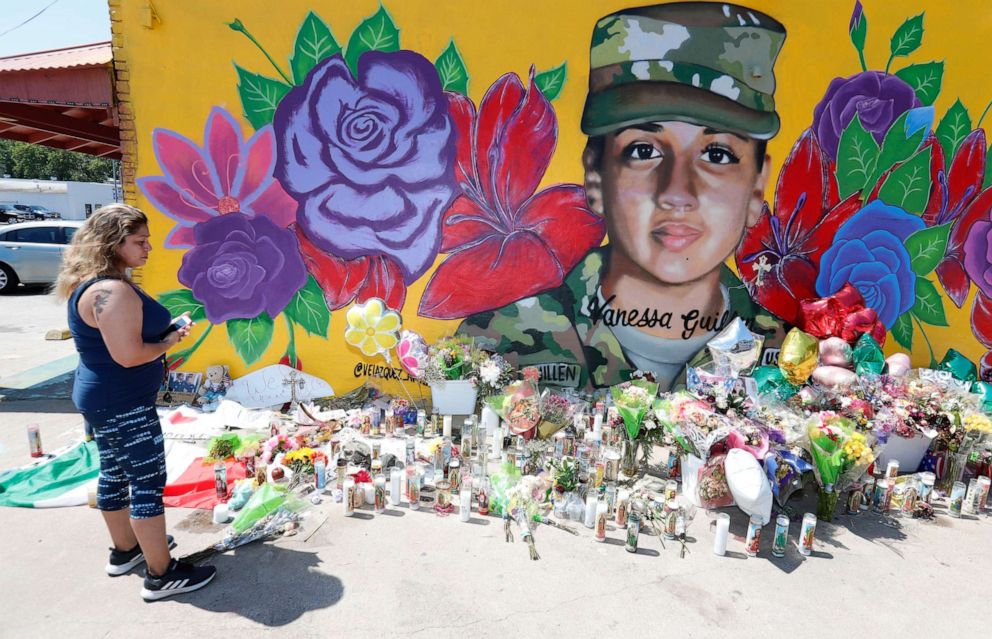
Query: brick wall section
[{"x": 125, "y": 114}]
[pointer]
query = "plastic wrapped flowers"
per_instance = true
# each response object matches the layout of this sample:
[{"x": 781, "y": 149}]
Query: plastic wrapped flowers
[{"x": 633, "y": 399}]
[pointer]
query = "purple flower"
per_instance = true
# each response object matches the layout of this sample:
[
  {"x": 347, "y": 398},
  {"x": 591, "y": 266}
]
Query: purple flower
[
  {"x": 869, "y": 252},
  {"x": 856, "y": 15},
  {"x": 228, "y": 174},
  {"x": 978, "y": 255},
  {"x": 876, "y": 97},
  {"x": 242, "y": 266},
  {"x": 370, "y": 160}
]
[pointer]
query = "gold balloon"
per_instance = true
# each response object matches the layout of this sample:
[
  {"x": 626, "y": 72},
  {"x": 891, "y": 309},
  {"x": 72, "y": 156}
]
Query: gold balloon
[{"x": 799, "y": 356}]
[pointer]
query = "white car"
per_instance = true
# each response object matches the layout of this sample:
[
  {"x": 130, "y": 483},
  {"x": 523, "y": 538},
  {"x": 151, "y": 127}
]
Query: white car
[{"x": 31, "y": 252}]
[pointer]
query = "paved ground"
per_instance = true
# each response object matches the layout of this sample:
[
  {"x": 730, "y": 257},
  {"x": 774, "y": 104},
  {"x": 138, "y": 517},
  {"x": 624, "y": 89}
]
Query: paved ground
[{"x": 411, "y": 573}]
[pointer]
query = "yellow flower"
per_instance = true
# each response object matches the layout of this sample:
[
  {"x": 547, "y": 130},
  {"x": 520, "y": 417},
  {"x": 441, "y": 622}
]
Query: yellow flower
[
  {"x": 372, "y": 328},
  {"x": 978, "y": 422}
]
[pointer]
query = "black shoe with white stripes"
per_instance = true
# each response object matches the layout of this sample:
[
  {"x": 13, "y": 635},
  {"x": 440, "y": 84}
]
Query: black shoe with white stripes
[
  {"x": 179, "y": 578},
  {"x": 123, "y": 561}
]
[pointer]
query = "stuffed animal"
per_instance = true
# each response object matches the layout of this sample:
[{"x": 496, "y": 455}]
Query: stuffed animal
[{"x": 214, "y": 386}]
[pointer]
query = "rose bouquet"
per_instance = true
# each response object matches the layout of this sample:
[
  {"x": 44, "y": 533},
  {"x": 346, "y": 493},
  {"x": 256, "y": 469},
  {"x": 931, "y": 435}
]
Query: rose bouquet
[{"x": 276, "y": 445}]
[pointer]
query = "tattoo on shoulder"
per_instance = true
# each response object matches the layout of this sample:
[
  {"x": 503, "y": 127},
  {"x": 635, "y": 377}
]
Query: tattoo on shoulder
[{"x": 100, "y": 298}]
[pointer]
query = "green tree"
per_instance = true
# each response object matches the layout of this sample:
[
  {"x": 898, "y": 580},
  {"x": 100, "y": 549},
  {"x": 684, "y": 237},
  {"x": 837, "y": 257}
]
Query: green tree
[{"x": 35, "y": 162}]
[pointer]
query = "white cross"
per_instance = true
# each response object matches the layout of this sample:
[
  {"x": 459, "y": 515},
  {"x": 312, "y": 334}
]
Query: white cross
[
  {"x": 760, "y": 268},
  {"x": 294, "y": 381}
]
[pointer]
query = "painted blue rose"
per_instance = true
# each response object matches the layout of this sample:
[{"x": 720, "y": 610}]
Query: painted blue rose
[{"x": 869, "y": 252}]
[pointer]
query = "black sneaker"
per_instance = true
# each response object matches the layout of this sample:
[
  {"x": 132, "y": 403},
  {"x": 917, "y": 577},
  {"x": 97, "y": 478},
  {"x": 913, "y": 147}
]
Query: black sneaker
[
  {"x": 123, "y": 561},
  {"x": 179, "y": 578}
]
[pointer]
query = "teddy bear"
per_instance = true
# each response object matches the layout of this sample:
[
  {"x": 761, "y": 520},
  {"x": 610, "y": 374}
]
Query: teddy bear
[{"x": 214, "y": 387}]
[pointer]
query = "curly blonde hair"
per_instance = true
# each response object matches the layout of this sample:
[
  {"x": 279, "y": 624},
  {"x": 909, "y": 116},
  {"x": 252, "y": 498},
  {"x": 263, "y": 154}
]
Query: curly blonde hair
[{"x": 93, "y": 251}]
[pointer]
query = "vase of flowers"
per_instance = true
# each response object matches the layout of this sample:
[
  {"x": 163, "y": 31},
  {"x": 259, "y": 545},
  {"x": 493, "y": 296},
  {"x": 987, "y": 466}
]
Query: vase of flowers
[{"x": 450, "y": 368}]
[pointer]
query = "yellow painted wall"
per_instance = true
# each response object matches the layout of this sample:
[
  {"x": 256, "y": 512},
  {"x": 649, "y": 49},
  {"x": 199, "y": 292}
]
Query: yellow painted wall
[{"x": 183, "y": 66}]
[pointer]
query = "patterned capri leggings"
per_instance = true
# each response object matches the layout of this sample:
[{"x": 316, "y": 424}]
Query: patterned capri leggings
[{"x": 132, "y": 460}]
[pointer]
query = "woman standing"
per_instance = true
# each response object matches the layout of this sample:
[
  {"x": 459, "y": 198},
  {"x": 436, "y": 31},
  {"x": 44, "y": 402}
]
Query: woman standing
[{"x": 122, "y": 335}]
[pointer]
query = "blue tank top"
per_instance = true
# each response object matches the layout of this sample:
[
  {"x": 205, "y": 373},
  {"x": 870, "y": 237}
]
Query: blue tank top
[{"x": 103, "y": 384}]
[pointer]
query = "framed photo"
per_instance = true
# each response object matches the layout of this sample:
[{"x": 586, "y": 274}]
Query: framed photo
[{"x": 180, "y": 388}]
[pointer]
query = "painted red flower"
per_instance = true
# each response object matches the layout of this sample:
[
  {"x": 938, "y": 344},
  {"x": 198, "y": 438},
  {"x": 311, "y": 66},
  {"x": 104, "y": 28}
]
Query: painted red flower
[
  {"x": 506, "y": 241},
  {"x": 779, "y": 257},
  {"x": 957, "y": 197},
  {"x": 359, "y": 280}
]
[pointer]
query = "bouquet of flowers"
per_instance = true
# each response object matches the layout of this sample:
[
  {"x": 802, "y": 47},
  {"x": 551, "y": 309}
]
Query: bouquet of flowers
[
  {"x": 633, "y": 399},
  {"x": 840, "y": 456},
  {"x": 713, "y": 489},
  {"x": 222, "y": 448},
  {"x": 276, "y": 445},
  {"x": 449, "y": 358},
  {"x": 556, "y": 413},
  {"x": 748, "y": 435},
  {"x": 494, "y": 374},
  {"x": 301, "y": 460},
  {"x": 520, "y": 404},
  {"x": 692, "y": 424}
]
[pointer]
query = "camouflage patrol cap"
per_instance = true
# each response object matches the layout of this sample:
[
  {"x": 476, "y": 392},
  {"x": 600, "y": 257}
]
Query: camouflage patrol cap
[{"x": 708, "y": 63}]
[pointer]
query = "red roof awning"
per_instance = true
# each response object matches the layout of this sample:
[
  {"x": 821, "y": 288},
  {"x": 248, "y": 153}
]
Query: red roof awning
[{"x": 63, "y": 98}]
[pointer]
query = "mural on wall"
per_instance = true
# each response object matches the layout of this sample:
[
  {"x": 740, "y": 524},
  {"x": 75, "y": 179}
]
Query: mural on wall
[{"x": 371, "y": 172}]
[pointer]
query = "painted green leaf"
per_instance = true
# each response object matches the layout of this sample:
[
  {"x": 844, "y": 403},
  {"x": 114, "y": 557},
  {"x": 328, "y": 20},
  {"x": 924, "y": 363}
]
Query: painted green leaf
[
  {"x": 902, "y": 331},
  {"x": 314, "y": 43},
  {"x": 308, "y": 309},
  {"x": 550, "y": 82},
  {"x": 953, "y": 128},
  {"x": 259, "y": 96},
  {"x": 857, "y": 154},
  {"x": 908, "y": 37},
  {"x": 250, "y": 337},
  {"x": 988, "y": 170},
  {"x": 182, "y": 301},
  {"x": 925, "y": 80},
  {"x": 926, "y": 248},
  {"x": 375, "y": 33},
  {"x": 908, "y": 186},
  {"x": 929, "y": 307},
  {"x": 451, "y": 69},
  {"x": 896, "y": 147}
]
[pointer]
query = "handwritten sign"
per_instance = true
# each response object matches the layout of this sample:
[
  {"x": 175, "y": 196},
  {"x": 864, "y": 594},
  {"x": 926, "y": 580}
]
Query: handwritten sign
[{"x": 271, "y": 386}]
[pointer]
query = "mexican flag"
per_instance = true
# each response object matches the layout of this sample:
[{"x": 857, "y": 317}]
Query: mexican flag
[{"x": 61, "y": 480}]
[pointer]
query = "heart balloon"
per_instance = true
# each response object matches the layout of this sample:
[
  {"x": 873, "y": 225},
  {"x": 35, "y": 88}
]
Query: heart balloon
[
  {"x": 834, "y": 376},
  {"x": 899, "y": 364},
  {"x": 412, "y": 351}
]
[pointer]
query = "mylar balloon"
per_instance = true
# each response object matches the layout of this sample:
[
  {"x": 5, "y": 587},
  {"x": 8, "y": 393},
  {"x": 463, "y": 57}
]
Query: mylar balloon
[
  {"x": 372, "y": 328},
  {"x": 799, "y": 356},
  {"x": 412, "y": 351},
  {"x": 898, "y": 364}
]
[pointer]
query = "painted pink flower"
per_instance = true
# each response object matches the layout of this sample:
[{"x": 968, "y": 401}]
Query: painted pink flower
[{"x": 227, "y": 175}]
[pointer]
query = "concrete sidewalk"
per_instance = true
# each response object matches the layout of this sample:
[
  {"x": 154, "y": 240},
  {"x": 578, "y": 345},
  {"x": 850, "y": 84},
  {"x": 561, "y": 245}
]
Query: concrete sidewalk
[{"x": 411, "y": 573}]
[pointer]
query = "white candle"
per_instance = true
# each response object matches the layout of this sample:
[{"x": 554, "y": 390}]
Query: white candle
[
  {"x": 498, "y": 442},
  {"x": 395, "y": 486},
  {"x": 446, "y": 426},
  {"x": 722, "y": 533},
  {"x": 221, "y": 514},
  {"x": 590, "y": 521},
  {"x": 597, "y": 424},
  {"x": 490, "y": 420},
  {"x": 465, "y": 504}
]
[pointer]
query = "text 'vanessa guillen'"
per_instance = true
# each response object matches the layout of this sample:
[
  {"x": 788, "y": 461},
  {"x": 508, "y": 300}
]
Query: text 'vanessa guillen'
[{"x": 692, "y": 321}]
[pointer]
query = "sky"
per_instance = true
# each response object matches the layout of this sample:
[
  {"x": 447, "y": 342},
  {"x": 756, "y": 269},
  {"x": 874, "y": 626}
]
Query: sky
[{"x": 63, "y": 23}]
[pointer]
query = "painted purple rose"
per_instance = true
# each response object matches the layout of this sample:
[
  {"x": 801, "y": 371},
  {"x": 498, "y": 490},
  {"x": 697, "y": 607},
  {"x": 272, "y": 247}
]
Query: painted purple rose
[
  {"x": 978, "y": 255},
  {"x": 869, "y": 252},
  {"x": 241, "y": 267},
  {"x": 370, "y": 160},
  {"x": 876, "y": 97}
]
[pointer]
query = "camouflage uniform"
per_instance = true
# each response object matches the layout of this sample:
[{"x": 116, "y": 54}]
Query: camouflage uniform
[
  {"x": 706, "y": 63},
  {"x": 555, "y": 332}
]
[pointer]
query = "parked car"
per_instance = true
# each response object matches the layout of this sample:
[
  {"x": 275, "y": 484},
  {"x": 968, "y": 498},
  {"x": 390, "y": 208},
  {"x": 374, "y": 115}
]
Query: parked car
[
  {"x": 28, "y": 213},
  {"x": 44, "y": 212},
  {"x": 9, "y": 214},
  {"x": 31, "y": 252}
]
